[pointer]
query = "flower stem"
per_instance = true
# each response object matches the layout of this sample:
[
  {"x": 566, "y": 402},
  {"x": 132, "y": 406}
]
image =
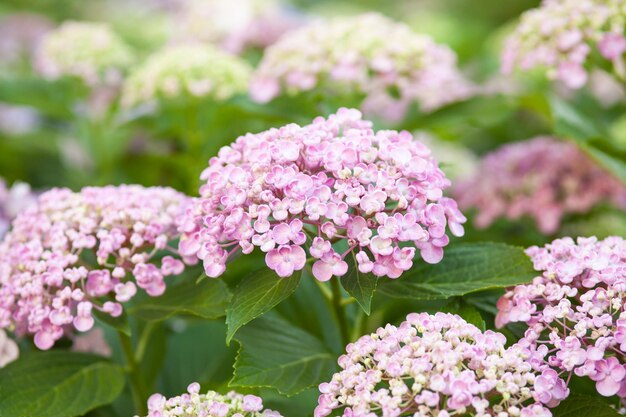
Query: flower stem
[
  {"x": 340, "y": 311},
  {"x": 136, "y": 385}
]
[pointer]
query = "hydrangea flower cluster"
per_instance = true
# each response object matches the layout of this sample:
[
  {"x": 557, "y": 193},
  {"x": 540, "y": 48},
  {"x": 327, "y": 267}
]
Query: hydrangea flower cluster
[
  {"x": 575, "y": 309},
  {"x": 367, "y": 55},
  {"x": 211, "y": 404},
  {"x": 331, "y": 183},
  {"x": 562, "y": 36},
  {"x": 90, "y": 51},
  {"x": 12, "y": 201},
  {"x": 439, "y": 365},
  {"x": 543, "y": 178},
  {"x": 74, "y": 253},
  {"x": 192, "y": 70},
  {"x": 252, "y": 24}
]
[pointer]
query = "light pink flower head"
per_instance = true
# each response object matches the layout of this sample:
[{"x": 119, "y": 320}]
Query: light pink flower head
[
  {"x": 211, "y": 404},
  {"x": 332, "y": 188},
  {"x": 561, "y": 35},
  {"x": 543, "y": 178},
  {"x": 74, "y": 253},
  {"x": 438, "y": 362},
  {"x": 575, "y": 309},
  {"x": 367, "y": 55}
]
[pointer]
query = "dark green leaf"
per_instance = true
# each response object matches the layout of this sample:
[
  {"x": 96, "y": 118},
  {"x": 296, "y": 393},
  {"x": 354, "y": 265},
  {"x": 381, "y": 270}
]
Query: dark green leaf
[
  {"x": 465, "y": 268},
  {"x": 256, "y": 295},
  {"x": 468, "y": 312},
  {"x": 151, "y": 351},
  {"x": 577, "y": 405},
  {"x": 57, "y": 383},
  {"x": 196, "y": 352},
  {"x": 274, "y": 353},
  {"x": 107, "y": 411},
  {"x": 207, "y": 299},
  {"x": 360, "y": 286}
]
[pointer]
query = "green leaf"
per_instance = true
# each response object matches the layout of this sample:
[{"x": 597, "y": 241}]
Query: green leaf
[
  {"x": 468, "y": 312},
  {"x": 274, "y": 353},
  {"x": 256, "y": 295},
  {"x": 106, "y": 411},
  {"x": 577, "y": 405},
  {"x": 207, "y": 299},
  {"x": 589, "y": 134},
  {"x": 358, "y": 285},
  {"x": 196, "y": 352},
  {"x": 57, "y": 383},
  {"x": 465, "y": 268},
  {"x": 118, "y": 323}
]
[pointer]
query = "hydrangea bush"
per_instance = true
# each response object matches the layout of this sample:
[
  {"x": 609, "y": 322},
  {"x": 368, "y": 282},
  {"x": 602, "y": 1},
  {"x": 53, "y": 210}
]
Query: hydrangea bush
[{"x": 336, "y": 209}]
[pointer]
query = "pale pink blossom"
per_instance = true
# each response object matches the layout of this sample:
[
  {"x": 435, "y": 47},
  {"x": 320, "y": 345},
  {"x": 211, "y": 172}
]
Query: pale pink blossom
[
  {"x": 543, "y": 178},
  {"x": 48, "y": 283},
  {"x": 438, "y": 361},
  {"x": 194, "y": 403},
  {"x": 335, "y": 180},
  {"x": 574, "y": 309}
]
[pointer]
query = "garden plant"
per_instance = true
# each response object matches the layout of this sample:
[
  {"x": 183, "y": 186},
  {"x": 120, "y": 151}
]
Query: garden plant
[{"x": 312, "y": 208}]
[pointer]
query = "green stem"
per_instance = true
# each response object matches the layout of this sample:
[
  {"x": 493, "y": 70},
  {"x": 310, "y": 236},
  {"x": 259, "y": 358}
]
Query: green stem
[
  {"x": 136, "y": 386},
  {"x": 340, "y": 311},
  {"x": 360, "y": 324}
]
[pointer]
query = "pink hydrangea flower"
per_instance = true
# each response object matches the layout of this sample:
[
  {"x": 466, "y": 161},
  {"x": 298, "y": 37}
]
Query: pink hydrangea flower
[
  {"x": 366, "y": 55},
  {"x": 315, "y": 188},
  {"x": 73, "y": 253},
  {"x": 542, "y": 178},
  {"x": 575, "y": 309},
  {"x": 195, "y": 404},
  {"x": 560, "y": 36},
  {"x": 439, "y": 362}
]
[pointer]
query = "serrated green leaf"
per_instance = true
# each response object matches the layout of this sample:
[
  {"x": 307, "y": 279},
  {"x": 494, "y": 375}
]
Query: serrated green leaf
[
  {"x": 207, "y": 299},
  {"x": 275, "y": 353},
  {"x": 57, "y": 383},
  {"x": 465, "y": 268},
  {"x": 358, "y": 285},
  {"x": 577, "y": 405},
  {"x": 256, "y": 295}
]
